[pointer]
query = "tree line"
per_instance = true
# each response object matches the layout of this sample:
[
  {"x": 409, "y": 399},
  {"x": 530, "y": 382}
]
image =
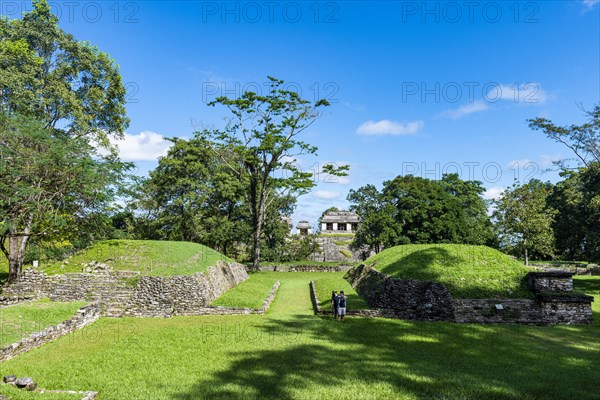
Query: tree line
[
  {"x": 63, "y": 186},
  {"x": 532, "y": 219},
  {"x": 61, "y": 103}
]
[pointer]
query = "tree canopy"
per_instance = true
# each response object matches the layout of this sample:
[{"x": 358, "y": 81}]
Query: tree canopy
[
  {"x": 412, "y": 209},
  {"x": 61, "y": 100},
  {"x": 260, "y": 145},
  {"x": 525, "y": 219}
]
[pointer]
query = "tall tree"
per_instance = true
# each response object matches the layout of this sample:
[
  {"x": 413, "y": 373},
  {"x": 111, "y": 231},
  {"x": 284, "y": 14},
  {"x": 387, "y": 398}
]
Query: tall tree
[
  {"x": 377, "y": 230},
  {"x": 525, "y": 220},
  {"x": 49, "y": 182},
  {"x": 378, "y": 227},
  {"x": 427, "y": 212},
  {"x": 577, "y": 201},
  {"x": 583, "y": 140},
  {"x": 475, "y": 226},
  {"x": 193, "y": 196},
  {"x": 576, "y": 198},
  {"x": 48, "y": 75},
  {"x": 263, "y": 135},
  {"x": 72, "y": 91}
]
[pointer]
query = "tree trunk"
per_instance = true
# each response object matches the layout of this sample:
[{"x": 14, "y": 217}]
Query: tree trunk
[
  {"x": 16, "y": 255},
  {"x": 256, "y": 248},
  {"x": 17, "y": 243},
  {"x": 526, "y": 257}
]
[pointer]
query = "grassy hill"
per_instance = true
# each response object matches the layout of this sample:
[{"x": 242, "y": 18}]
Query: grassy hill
[
  {"x": 151, "y": 257},
  {"x": 467, "y": 271}
]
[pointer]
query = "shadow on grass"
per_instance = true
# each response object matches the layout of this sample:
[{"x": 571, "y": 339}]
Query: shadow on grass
[{"x": 313, "y": 357}]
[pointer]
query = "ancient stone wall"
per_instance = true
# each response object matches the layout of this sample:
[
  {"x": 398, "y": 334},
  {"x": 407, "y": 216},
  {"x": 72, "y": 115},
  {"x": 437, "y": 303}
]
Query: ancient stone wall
[
  {"x": 408, "y": 298},
  {"x": 124, "y": 293},
  {"x": 555, "y": 281},
  {"x": 10, "y": 300},
  {"x": 332, "y": 251},
  {"x": 85, "y": 316},
  {"x": 421, "y": 300},
  {"x": 306, "y": 268}
]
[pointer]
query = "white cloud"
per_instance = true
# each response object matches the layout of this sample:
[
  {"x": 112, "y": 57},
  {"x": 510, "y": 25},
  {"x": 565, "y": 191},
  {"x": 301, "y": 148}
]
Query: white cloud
[
  {"x": 326, "y": 194},
  {"x": 528, "y": 93},
  {"x": 343, "y": 180},
  {"x": 145, "y": 146},
  {"x": 544, "y": 161},
  {"x": 387, "y": 127},
  {"x": 493, "y": 193},
  {"x": 589, "y": 4},
  {"x": 354, "y": 107},
  {"x": 464, "y": 110},
  {"x": 548, "y": 160},
  {"x": 519, "y": 163}
]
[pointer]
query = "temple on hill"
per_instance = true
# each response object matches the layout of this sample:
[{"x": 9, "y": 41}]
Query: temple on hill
[{"x": 339, "y": 222}]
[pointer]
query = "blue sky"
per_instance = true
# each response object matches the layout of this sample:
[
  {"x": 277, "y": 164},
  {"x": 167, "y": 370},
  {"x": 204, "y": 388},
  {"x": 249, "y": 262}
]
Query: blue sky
[{"x": 421, "y": 87}]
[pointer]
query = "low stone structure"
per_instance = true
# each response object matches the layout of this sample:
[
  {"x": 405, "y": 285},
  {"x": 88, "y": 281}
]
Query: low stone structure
[
  {"x": 303, "y": 228},
  {"x": 405, "y": 298},
  {"x": 85, "y": 316},
  {"x": 336, "y": 248},
  {"x": 306, "y": 268},
  {"x": 553, "y": 281},
  {"x": 10, "y": 300},
  {"x": 220, "y": 310},
  {"x": 421, "y": 300},
  {"x": 29, "y": 384},
  {"x": 125, "y": 293},
  {"x": 357, "y": 313}
]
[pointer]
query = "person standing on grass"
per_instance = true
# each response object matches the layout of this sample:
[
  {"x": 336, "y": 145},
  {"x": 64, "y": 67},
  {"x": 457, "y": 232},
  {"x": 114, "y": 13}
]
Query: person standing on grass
[
  {"x": 334, "y": 303},
  {"x": 342, "y": 305},
  {"x": 335, "y": 298}
]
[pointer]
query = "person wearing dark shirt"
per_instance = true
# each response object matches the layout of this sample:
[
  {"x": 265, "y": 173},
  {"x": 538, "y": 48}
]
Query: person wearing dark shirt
[
  {"x": 342, "y": 305},
  {"x": 334, "y": 303}
]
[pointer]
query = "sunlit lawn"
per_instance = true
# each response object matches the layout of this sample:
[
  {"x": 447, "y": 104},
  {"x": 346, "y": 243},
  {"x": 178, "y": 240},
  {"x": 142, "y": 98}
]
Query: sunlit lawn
[
  {"x": 19, "y": 321},
  {"x": 292, "y": 354}
]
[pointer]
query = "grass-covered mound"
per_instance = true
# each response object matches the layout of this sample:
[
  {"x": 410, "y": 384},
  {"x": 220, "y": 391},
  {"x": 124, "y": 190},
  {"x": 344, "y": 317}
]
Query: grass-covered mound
[
  {"x": 151, "y": 257},
  {"x": 467, "y": 271},
  {"x": 21, "y": 320}
]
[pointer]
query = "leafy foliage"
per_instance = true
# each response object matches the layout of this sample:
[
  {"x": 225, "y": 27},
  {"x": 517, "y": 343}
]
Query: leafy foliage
[
  {"x": 577, "y": 202},
  {"x": 259, "y": 145},
  {"x": 60, "y": 101},
  {"x": 51, "y": 77},
  {"x": 411, "y": 209},
  {"x": 583, "y": 140},
  {"x": 525, "y": 219},
  {"x": 55, "y": 188}
]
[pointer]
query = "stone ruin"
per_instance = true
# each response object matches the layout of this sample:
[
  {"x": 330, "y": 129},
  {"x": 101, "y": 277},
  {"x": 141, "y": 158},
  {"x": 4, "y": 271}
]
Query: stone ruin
[{"x": 411, "y": 299}]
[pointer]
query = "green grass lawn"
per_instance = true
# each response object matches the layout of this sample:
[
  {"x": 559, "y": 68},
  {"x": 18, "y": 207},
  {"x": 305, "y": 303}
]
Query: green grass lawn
[
  {"x": 151, "y": 257},
  {"x": 467, "y": 271},
  {"x": 20, "y": 320},
  {"x": 289, "y": 353},
  {"x": 327, "y": 282},
  {"x": 251, "y": 293}
]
